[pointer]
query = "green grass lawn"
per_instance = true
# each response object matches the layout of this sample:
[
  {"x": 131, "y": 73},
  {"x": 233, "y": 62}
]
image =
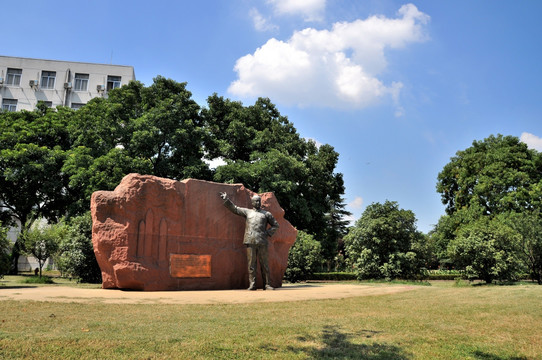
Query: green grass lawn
[{"x": 442, "y": 321}]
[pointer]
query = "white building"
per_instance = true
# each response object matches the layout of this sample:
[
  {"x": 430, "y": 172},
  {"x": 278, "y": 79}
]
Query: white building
[{"x": 24, "y": 82}]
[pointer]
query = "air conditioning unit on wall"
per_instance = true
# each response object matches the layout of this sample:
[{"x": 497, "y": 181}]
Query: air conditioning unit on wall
[
  {"x": 100, "y": 88},
  {"x": 33, "y": 83},
  {"x": 67, "y": 85}
]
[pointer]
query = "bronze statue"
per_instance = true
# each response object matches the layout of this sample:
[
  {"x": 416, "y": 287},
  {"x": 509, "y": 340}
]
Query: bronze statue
[{"x": 255, "y": 239}]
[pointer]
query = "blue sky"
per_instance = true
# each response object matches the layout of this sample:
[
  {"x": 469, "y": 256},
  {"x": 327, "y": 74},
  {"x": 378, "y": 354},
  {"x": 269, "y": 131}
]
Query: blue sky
[{"x": 396, "y": 87}]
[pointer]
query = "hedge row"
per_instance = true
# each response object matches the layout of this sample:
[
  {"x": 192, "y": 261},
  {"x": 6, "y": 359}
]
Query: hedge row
[
  {"x": 343, "y": 276},
  {"x": 443, "y": 276},
  {"x": 333, "y": 276}
]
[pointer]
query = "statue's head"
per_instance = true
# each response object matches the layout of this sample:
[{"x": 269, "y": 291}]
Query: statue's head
[{"x": 256, "y": 202}]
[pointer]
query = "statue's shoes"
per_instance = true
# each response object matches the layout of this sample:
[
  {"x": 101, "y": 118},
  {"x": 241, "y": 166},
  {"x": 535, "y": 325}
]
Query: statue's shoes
[
  {"x": 252, "y": 288},
  {"x": 268, "y": 287}
]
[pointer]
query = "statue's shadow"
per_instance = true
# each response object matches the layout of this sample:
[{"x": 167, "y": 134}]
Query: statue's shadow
[{"x": 337, "y": 344}]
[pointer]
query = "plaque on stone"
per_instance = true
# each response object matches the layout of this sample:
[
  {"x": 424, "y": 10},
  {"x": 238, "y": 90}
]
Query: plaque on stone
[{"x": 190, "y": 266}]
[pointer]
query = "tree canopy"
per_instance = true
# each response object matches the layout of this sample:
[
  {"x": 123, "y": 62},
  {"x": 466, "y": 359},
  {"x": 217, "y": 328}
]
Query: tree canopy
[
  {"x": 33, "y": 149},
  {"x": 153, "y": 130},
  {"x": 262, "y": 150},
  {"x": 384, "y": 243},
  {"x": 484, "y": 187},
  {"x": 52, "y": 160},
  {"x": 497, "y": 174}
]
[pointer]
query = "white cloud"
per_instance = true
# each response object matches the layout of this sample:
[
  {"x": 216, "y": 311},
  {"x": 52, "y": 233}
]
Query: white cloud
[
  {"x": 310, "y": 10},
  {"x": 354, "y": 205},
  {"x": 532, "y": 141},
  {"x": 336, "y": 68},
  {"x": 260, "y": 22},
  {"x": 357, "y": 203}
]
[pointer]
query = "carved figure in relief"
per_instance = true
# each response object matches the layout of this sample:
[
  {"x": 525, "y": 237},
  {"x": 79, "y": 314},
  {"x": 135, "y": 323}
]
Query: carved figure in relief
[{"x": 256, "y": 237}]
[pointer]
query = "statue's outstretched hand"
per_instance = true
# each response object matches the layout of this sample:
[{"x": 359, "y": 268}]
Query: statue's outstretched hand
[{"x": 223, "y": 195}]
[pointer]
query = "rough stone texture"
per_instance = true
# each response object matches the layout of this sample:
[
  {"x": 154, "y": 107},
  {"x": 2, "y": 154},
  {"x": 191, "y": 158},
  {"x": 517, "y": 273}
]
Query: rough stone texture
[{"x": 147, "y": 220}]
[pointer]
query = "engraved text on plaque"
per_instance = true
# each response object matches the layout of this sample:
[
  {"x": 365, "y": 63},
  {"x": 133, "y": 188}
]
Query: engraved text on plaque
[{"x": 190, "y": 266}]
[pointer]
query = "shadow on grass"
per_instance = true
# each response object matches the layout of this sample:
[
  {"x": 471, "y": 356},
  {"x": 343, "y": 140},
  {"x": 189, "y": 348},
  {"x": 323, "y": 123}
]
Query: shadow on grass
[
  {"x": 486, "y": 356},
  {"x": 338, "y": 345},
  {"x": 297, "y": 286}
]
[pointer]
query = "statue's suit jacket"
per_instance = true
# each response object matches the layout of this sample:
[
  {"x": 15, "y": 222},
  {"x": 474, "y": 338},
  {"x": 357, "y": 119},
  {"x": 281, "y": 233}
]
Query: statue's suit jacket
[{"x": 256, "y": 231}]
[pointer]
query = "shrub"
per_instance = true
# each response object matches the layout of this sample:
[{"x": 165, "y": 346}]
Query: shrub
[
  {"x": 384, "y": 244},
  {"x": 38, "y": 280},
  {"x": 443, "y": 274},
  {"x": 334, "y": 276},
  {"x": 77, "y": 257},
  {"x": 41, "y": 241},
  {"x": 488, "y": 249},
  {"x": 304, "y": 258}
]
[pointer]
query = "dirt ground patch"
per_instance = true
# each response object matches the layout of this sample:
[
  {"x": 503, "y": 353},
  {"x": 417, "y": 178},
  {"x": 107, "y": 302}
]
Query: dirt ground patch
[{"x": 289, "y": 292}]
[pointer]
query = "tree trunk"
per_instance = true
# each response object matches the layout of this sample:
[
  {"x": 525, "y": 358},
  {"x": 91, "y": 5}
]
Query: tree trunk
[
  {"x": 18, "y": 247},
  {"x": 15, "y": 253}
]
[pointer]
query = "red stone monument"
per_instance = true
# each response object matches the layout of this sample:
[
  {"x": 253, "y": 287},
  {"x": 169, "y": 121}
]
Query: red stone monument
[{"x": 152, "y": 233}]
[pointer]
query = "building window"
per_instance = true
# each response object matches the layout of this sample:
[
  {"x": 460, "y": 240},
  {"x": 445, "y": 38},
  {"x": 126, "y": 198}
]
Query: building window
[
  {"x": 113, "y": 82},
  {"x": 81, "y": 82},
  {"x": 48, "y": 79},
  {"x": 76, "y": 106},
  {"x": 14, "y": 77},
  {"x": 9, "y": 104}
]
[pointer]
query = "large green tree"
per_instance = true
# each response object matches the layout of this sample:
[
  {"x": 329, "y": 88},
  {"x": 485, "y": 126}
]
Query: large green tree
[
  {"x": 236, "y": 132},
  {"x": 262, "y": 150},
  {"x": 33, "y": 148},
  {"x": 498, "y": 175},
  {"x": 447, "y": 229},
  {"x": 56, "y": 158},
  {"x": 170, "y": 132},
  {"x": 154, "y": 130},
  {"x": 325, "y": 189},
  {"x": 384, "y": 243}
]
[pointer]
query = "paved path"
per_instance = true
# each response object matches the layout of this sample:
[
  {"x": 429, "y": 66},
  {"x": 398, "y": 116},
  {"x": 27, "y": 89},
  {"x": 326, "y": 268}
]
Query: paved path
[{"x": 289, "y": 292}]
